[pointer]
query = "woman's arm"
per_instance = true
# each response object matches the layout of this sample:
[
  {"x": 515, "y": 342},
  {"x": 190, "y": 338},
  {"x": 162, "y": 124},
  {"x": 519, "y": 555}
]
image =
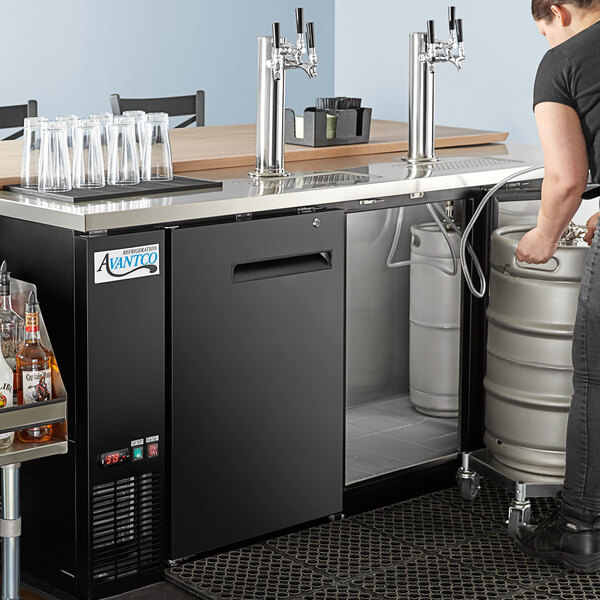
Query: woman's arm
[{"x": 565, "y": 179}]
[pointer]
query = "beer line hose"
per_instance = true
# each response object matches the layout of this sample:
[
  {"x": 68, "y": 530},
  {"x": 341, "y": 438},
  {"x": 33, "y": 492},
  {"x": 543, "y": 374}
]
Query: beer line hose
[{"x": 465, "y": 245}]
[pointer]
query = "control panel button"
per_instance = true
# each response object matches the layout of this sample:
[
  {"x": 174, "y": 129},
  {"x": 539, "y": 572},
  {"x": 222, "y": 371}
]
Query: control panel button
[
  {"x": 138, "y": 453},
  {"x": 152, "y": 450}
]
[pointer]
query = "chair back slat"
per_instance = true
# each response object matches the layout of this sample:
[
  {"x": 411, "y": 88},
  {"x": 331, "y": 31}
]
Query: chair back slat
[
  {"x": 174, "y": 105},
  {"x": 13, "y": 116}
]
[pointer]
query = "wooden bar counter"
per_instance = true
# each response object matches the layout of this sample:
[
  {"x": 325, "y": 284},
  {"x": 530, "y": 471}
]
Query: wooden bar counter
[{"x": 199, "y": 148}]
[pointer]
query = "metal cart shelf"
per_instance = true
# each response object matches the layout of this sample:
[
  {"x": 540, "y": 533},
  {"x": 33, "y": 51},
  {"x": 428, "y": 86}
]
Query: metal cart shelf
[
  {"x": 482, "y": 463},
  {"x": 13, "y": 419}
]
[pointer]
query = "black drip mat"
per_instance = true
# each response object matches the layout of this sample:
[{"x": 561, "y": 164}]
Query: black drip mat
[
  {"x": 437, "y": 547},
  {"x": 179, "y": 183}
]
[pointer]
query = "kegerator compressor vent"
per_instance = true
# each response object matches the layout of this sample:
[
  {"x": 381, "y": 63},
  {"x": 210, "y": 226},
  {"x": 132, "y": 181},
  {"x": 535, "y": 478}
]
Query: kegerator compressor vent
[{"x": 126, "y": 527}]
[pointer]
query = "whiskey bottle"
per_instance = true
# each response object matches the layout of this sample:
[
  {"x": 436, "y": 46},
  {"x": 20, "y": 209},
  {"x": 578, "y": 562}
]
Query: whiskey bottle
[
  {"x": 34, "y": 371},
  {"x": 6, "y": 399},
  {"x": 11, "y": 324}
]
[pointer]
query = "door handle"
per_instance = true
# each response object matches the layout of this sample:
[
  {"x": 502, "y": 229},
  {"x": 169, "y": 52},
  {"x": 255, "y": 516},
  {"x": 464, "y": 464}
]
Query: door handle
[{"x": 283, "y": 266}]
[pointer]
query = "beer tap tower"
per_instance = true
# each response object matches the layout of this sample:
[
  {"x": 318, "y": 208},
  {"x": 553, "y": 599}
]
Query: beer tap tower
[
  {"x": 275, "y": 57},
  {"x": 425, "y": 52}
]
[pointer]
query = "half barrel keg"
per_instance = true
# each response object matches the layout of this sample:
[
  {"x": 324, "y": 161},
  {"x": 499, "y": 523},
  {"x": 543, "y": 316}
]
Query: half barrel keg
[
  {"x": 434, "y": 323},
  {"x": 528, "y": 382}
]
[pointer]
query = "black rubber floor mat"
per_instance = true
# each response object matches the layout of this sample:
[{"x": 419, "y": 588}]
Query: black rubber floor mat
[
  {"x": 573, "y": 587},
  {"x": 530, "y": 595},
  {"x": 497, "y": 555},
  {"x": 428, "y": 524},
  {"x": 432, "y": 577},
  {"x": 340, "y": 592},
  {"x": 344, "y": 549},
  {"x": 436, "y": 547},
  {"x": 253, "y": 573}
]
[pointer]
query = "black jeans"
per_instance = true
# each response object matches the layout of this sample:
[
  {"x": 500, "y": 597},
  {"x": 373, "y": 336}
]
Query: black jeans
[{"x": 582, "y": 476}]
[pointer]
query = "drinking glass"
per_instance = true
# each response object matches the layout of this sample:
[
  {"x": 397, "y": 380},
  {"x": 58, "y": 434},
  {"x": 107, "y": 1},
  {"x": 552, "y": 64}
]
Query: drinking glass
[
  {"x": 54, "y": 166},
  {"x": 123, "y": 163},
  {"x": 106, "y": 120},
  {"x": 157, "y": 163},
  {"x": 70, "y": 122},
  {"x": 88, "y": 164},
  {"x": 32, "y": 143},
  {"x": 139, "y": 119}
]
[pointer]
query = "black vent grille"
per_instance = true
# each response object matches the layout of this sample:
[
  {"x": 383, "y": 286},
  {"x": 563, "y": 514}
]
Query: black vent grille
[{"x": 126, "y": 527}]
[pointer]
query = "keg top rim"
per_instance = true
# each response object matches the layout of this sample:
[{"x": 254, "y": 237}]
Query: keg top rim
[{"x": 505, "y": 233}]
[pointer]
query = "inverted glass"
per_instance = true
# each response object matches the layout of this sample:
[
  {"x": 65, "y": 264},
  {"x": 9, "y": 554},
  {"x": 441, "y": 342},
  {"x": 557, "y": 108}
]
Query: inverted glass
[
  {"x": 30, "y": 157},
  {"x": 139, "y": 121},
  {"x": 70, "y": 122},
  {"x": 106, "y": 120},
  {"x": 54, "y": 165},
  {"x": 88, "y": 163},
  {"x": 123, "y": 162},
  {"x": 157, "y": 163}
]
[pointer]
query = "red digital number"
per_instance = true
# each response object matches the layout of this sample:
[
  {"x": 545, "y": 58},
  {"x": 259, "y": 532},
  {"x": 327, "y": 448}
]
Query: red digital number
[{"x": 111, "y": 459}]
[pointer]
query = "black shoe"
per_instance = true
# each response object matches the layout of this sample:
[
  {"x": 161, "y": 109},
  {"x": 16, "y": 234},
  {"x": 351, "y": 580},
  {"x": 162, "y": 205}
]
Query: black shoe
[{"x": 571, "y": 542}]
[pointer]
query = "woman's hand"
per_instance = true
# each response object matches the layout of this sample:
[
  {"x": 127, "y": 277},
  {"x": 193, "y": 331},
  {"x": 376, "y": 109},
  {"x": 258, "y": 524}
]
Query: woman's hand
[
  {"x": 591, "y": 228},
  {"x": 533, "y": 248}
]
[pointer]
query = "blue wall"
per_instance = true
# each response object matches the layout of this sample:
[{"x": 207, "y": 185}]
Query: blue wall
[
  {"x": 494, "y": 89},
  {"x": 71, "y": 55}
]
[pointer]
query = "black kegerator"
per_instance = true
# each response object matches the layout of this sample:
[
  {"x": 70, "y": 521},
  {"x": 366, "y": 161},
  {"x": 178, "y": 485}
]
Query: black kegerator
[{"x": 205, "y": 369}]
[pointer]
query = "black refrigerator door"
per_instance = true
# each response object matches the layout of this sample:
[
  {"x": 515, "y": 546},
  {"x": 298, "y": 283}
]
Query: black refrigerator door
[{"x": 258, "y": 378}]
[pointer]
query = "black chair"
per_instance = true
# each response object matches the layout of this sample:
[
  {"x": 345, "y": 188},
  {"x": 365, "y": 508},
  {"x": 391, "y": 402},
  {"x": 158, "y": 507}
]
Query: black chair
[
  {"x": 176, "y": 106},
  {"x": 13, "y": 116}
]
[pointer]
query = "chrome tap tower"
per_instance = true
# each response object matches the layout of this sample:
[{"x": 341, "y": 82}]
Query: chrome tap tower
[
  {"x": 425, "y": 52},
  {"x": 275, "y": 56}
]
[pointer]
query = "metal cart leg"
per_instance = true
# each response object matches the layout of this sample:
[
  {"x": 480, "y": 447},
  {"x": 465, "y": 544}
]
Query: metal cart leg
[
  {"x": 10, "y": 531},
  {"x": 519, "y": 511},
  {"x": 468, "y": 481}
]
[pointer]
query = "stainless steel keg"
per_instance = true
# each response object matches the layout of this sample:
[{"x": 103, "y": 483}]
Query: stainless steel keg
[
  {"x": 434, "y": 323},
  {"x": 529, "y": 372}
]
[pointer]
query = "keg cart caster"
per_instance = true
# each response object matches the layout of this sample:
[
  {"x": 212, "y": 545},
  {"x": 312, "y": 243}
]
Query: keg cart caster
[{"x": 481, "y": 463}]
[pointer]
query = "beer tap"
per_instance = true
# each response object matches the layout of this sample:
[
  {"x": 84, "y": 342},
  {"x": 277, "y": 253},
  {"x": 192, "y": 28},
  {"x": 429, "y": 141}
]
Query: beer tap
[
  {"x": 275, "y": 57},
  {"x": 425, "y": 52}
]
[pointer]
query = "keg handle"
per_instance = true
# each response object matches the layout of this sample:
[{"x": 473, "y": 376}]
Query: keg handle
[{"x": 548, "y": 267}]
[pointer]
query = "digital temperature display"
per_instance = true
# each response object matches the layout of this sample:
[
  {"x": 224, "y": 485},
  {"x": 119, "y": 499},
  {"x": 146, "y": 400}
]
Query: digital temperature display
[{"x": 116, "y": 457}]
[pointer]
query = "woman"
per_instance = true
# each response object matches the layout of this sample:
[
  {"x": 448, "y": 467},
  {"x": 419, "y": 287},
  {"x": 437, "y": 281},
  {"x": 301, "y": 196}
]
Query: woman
[{"x": 567, "y": 112}]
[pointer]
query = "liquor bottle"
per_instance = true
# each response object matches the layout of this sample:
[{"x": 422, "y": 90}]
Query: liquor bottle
[
  {"x": 34, "y": 371},
  {"x": 6, "y": 399},
  {"x": 11, "y": 324}
]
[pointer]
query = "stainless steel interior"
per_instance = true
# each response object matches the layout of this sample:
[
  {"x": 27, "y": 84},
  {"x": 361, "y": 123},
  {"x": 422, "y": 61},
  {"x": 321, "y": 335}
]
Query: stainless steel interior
[{"x": 384, "y": 432}]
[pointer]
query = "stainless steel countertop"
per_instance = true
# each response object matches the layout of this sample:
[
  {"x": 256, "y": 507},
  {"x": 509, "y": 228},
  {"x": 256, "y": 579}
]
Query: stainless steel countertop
[{"x": 312, "y": 183}]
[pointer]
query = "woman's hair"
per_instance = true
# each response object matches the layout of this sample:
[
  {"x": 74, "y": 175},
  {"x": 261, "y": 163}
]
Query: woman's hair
[{"x": 540, "y": 9}]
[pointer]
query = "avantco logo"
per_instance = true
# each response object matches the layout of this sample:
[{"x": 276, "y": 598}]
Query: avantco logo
[{"x": 126, "y": 263}]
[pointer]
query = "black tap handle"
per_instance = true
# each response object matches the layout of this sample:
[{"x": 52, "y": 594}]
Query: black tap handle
[
  {"x": 299, "y": 21},
  {"x": 452, "y": 17},
  {"x": 276, "y": 38},
  {"x": 310, "y": 35},
  {"x": 430, "y": 32},
  {"x": 459, "y": 31}
]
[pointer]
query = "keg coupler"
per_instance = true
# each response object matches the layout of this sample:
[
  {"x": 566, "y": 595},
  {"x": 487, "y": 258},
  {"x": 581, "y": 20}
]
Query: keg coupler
[{"x": 572, "y": 234}]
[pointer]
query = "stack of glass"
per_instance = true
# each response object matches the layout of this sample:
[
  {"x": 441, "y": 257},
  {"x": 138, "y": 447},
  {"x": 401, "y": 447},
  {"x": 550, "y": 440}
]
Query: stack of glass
[{"x": 71, "y": 152}]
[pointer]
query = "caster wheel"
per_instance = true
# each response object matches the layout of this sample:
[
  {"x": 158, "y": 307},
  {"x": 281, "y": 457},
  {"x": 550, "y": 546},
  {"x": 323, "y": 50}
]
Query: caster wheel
[
  {"x": 515, "y": 521},
  {"x": 469, "y": 488}
]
